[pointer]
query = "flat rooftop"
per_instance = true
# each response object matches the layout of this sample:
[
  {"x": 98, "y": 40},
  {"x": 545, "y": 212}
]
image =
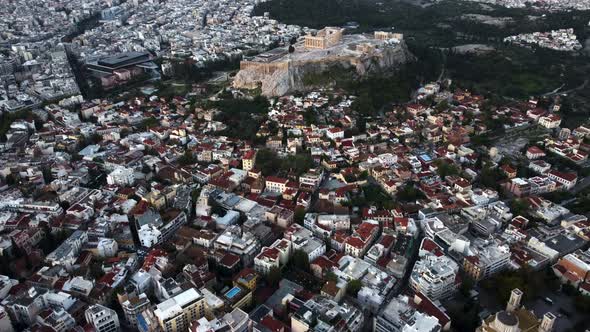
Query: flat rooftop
[{"x": 118, "y": 59}]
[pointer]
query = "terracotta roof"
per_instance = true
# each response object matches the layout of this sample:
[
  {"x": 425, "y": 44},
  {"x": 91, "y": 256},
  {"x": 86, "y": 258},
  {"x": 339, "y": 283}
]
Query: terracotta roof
[{"x": 272, "y": 324}]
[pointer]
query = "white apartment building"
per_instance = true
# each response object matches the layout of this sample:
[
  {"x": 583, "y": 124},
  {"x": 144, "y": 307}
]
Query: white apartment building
[
  {"x": 102, "y": 318},
  {"x": 334, "y": 222},
  {"x": 266, "y": 260},
  {"x": 399, "y": 315},
  {"x": 149, "y": 235},
  {"x": 276, "y": 184},
  {"x": 5, "y": 285},
  {"x": 132, "y": 306},
  {"x": 434, "y": 276},
  {"x": 5, "y": 324},
  {"x": 243, "y": 244},
  {"x": 67, "y": 253},
  {"x": 550, "y": 121},
  {"x": 107, "y": 247},
  {"x": 311, "y": 179},
  {"x": 302, "y": 239},
  {"x": 387, "y": 159},
  {"x": 568, "y": 180},
  {"x": 121, "y": 176},
  {"x": 335, "y": 133},
  {"x": 486, "y": 259}
]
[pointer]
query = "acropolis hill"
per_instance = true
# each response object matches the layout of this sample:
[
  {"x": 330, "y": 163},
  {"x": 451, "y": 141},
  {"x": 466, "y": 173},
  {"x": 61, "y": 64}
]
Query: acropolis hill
[{"x": 279, "y": 72}]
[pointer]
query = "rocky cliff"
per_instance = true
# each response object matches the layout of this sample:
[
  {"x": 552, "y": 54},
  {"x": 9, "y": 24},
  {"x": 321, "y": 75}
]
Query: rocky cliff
[{"x": 309, "y": 69}]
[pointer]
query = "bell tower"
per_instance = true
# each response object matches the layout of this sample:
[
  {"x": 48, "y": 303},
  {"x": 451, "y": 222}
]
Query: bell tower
[
  {"x": 547, "y": 322},
  {"x": 515, "y": 298}
]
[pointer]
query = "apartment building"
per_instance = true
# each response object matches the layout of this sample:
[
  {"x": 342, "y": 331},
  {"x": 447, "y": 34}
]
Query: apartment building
[{"x": 176, "y": 313}]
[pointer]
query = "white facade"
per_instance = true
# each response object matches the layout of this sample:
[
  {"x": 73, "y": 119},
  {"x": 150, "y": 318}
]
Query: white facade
[
  {"x": 149, "y": 235},
  {"x": 334, "y": 222},
  {"x": 121, "y": 176},
  {"x": 311, "y": 178},
  {"x": 550, "y": 121},
  {"x": 266, "y": 260},
  {"x": 387, "y": 159},
  {"x": 567, "y": 181},
  {"x": 434, "y": 276},
  {"x": 102, "y": 318},
  {"x": 274, "y": 184},
  {"x": 134, "y": 306},
  {"x": 303, "y": 239},
  {"x": 400, "y": 316},
  {"x": 107, "y": 247},
  {"x": 67, "y": 253}
]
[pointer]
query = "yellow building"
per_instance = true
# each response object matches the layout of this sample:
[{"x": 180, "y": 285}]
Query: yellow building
[
  {"x": 246, "y": 278},
  {"x": 238, "y": 297},
  {"x": 249, "y": 160},
  {"x": 176, "y": 313}
]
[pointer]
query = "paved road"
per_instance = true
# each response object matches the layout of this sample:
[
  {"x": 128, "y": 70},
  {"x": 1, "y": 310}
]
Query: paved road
[
  {"x": 556, "y": 91},
  {"x": 561, "y": 304}
]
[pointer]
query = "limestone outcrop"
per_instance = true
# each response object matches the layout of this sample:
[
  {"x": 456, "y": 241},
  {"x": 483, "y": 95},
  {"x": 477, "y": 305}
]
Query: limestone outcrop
[{"x": 279, "y": 72}]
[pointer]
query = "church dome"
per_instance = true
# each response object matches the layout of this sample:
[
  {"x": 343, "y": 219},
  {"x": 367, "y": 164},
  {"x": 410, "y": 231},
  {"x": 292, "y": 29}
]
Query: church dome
[{"x": 506, "y": 321}]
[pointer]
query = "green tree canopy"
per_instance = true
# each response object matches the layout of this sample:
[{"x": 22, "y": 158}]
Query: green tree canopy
[
  {"x": 274, "y": 276},
  {"x": 445, "y": 169},
  {"x": 353, "y": 287},
  {"x": 300, "y": 260}
]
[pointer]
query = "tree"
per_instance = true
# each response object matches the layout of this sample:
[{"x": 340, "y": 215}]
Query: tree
[
  {"x": 96, "y": 271},
  {"x": 364, "y": 175},
  {"x": 299, "y": 215},
  {"x": 47, "y": 176},
  {"x": 300, "y": 260},
  {"x": 364, "y": 105},
  {"x": 145, "y": 169},
  {"x": 274, "y": 276},
  {"x": 490, "y": 177},
  {"x": 466, "y": 286},
  {"x": 582, "y": 303},
  {"x": 464, "y": 315},
  {"x": 480, "y": 140},
  {"x": 350, "y": 178},
  {"x": 532, "y": 283},
  {"x": 445, "y": 169},
  {"x": 11, "y": 179},
  {"x": 5, "y": 265},
  {"x": 299, "y": 163},
  {"x": 187, "y": 158},
  {"x": 124, "y": 132},
  {"x": 353, "y": 287},
  {"x": 519, "y": 207},
  {"x": 330, "y": 276},
  {"x": 409, "y": 193},
  {"x": 442, "y": 106},
  {"x": 267, "y": 161},
  {"x": 149, "y": 123},
  {"x": 309, "y": 116}
]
